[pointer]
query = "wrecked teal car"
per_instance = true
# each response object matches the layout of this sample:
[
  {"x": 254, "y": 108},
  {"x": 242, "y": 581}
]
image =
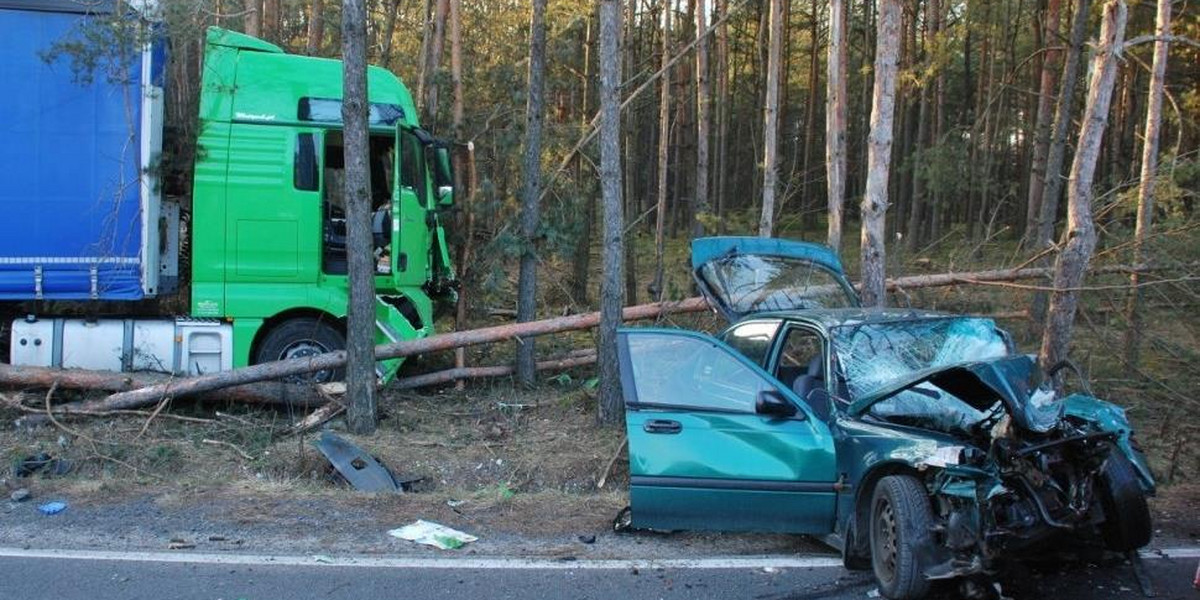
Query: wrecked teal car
[{"x": 920, "y": 444}]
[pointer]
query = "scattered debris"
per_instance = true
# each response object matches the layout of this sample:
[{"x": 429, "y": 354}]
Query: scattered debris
[
  {"x": 433, "y": 534},
  {"x": 771, "y": 570},
  {"x": 587, "y": 539},
  {"x": 452, "y": 503},
  {"x": 52, "y": 508},
  {"x": 217, "y": 538},
  {"x": 324, "y": 559},
  {"x": 359, "y": 468},
  {"x": 19, "y": 495},
  {"x": 874, "y": 593},
  {"x": 180, "y": 544},
  {"x": 42, "y": 463}
]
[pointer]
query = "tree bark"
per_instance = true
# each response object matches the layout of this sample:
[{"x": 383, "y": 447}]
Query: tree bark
[
  {"x": 723, "y": 109},
  {"x": 835, "y": 121},
  {"x": 316, "y": 27},
  {"x": 1145, "y": 209},
  {"x": 664, "y": 142},
  {"x": 467, "y": 220},
  {"x": 1057, "y": 154},
  {"x": 875, "y": 200},
  {"x": 766, "y": 222},
  {"x": 1081, "y": 235},
  {"x": 1037, "y": 170},
  {"x": 270, "y": 21},
  {"x": 703, "y": 124},
  {"x": 611, "y": 405},
  {"x": 360, "y": 323},
  {"x": 531, "y": 173}
]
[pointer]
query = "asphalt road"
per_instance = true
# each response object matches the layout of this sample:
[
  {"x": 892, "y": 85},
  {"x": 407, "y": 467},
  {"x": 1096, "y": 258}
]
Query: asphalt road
[{"x": 30, "y": 575}]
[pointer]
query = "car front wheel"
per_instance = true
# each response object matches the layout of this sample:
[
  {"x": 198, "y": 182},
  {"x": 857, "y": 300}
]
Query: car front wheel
[{"x": 900, "y": 523}]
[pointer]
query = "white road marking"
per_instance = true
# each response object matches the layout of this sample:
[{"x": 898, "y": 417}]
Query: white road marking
[{"x": 728, "y": 562}]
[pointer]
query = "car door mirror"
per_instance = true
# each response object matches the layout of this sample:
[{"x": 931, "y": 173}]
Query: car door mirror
[{"x": 772, "y": 403}]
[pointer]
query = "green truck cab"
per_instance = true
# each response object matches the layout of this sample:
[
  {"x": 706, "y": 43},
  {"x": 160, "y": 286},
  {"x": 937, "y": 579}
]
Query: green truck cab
[{"x": 268, "y": 228}]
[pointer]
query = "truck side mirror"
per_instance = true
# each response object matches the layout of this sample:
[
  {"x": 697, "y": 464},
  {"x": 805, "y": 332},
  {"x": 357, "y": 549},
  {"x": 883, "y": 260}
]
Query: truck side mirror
[{"x": 443, "y": 176}]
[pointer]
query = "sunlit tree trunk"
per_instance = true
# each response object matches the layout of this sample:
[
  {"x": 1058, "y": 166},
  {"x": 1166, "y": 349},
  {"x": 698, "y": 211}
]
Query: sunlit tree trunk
[
  {"x": 252, "y": 21},
  {"x": 766, "y": 222},
  {"x": 1145, "y": 209},
  {"x": 703, "y": 125},
  {"x": 1056, "y": 155},
  {"x": 389, "y": 31},
  {"x": 531, "y": 173},
  {"x": 1081, "y": 234},
  {"x": 875, "y": 200},
  {"x": 610, "y": 408},
  {"x": 360, "y": 322},
  {"x": 664, "y": 142},
  {"x": 835, "y": 121}
]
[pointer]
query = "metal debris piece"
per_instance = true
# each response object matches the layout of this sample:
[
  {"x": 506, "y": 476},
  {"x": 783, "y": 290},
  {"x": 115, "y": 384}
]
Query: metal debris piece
[
  {"x": 44, "y": 463},
  {"x": 52, "y": 508},
  {"x": 19, "y": 495},
  {"x": 359, "y": 468}
]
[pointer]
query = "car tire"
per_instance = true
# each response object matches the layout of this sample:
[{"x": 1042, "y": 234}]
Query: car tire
[
  {"x": 299, "y": 338},
  {"x": 899, "y": 532},
  {"x": 1126, "y": 523}
]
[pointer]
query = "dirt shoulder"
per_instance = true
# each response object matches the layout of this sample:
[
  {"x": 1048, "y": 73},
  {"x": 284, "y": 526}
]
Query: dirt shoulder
[{"x": 518, "y": 470}]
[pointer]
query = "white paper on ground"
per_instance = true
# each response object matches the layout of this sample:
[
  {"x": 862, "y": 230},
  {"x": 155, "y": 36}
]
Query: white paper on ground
[{"x": 433, "y": 534}]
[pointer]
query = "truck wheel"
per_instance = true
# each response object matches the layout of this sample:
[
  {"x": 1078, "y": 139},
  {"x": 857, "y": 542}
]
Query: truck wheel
[
  {"x": 900, "y": 522},
  {"x": 1126, "y": 515},
  {"x": 298, "y": 338}
]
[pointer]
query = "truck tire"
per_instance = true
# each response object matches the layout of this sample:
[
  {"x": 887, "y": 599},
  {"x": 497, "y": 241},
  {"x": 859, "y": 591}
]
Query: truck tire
[
  {"x": 1126, "y": 523},
  {"x": 298, "y": 338},
  {"x": 900, "y": 523}
]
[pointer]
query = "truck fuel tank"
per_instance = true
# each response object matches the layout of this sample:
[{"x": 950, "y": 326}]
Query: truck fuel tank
[{"x": 178, "y": 346}]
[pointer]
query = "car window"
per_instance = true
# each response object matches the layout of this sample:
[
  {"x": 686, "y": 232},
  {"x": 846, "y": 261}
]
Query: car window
[
  {"x": 800, "y": 348},
  {"x": 694, "y": 373},
  {"x": 752, "y": 339}
]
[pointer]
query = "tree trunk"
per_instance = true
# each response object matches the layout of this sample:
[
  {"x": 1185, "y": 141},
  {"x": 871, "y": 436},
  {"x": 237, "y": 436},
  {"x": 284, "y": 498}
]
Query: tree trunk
[
  {"x": 582, "y": 254},
  {"x": 703, "y": 110},
  {"x": 723, "y": 109},
  {"x": 664, "y": 142},
  {"x": 252, "y": 20},
  {"x": 360, "y": 324},
  {"x": 1057, "y": 154},
  {"x": 531, "y": 173},
  {"x": 808, "y": 203},
  {"x": 389, "y": 32},
  {"x": 835, "y": 121},
  {"x": 766, "y": 223},
  {"x": 270, "y": 21},
  {"x": 466, "y": 221},
  {"x": 316, "y": 27},
  {"x": 1081, "y": 235},
  {"x": 875, "y": 201},
  {"x": 433, "y": 60},
  {"x": 1037, "y": 170},
  {"x": 1145, "y": 209},
  {"x": 611, "y": 405}
]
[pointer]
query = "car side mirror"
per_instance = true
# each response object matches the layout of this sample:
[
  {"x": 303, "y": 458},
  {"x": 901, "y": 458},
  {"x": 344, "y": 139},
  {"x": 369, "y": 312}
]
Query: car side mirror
[{"x": 772, "y": 403}]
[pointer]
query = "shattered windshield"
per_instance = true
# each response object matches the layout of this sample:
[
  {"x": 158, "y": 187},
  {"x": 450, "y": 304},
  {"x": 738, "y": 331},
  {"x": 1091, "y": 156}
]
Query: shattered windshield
[
  {"x": 873, "y": 355},
  {"x": 749, "y": 283}
]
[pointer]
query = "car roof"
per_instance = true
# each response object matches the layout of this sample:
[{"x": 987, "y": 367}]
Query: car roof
[{"x": 835, "y": 317}]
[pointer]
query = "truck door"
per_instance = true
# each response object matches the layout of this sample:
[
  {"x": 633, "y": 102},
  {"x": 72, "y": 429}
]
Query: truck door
[{"x": 410, "y": 231}]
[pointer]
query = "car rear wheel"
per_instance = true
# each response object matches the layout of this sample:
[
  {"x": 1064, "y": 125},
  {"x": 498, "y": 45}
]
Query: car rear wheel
[
  {"x": 900, "y": 522},
  {"x": 299, "y": 338},
  {"x": 1126, "y": 515}
]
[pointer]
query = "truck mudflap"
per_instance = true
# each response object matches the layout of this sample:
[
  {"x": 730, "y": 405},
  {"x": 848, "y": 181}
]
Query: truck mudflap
[{"x": 392, "y": 326}]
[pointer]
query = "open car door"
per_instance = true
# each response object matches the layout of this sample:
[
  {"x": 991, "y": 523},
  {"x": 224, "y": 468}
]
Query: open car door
[
  {"x": 717, "y": 443},
  {"x": 741, "y": 276}
]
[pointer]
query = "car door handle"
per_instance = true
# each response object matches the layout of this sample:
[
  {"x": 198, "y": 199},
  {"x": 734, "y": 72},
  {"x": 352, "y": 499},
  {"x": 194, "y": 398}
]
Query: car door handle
[{"x": 662, "y": 426}]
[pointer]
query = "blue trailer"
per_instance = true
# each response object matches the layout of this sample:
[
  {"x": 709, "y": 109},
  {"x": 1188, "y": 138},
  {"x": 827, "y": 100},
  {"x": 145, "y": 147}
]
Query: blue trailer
[{"x": 80, "y": 193}]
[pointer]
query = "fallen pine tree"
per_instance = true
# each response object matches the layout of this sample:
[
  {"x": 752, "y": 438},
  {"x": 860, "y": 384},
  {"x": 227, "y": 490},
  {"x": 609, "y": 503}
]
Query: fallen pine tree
[{"x": 244, "y": 377}]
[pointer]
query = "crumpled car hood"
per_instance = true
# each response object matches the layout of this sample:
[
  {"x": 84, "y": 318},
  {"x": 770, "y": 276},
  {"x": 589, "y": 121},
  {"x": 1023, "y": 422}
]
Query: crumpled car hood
[{"x": 1010, "y": 379}]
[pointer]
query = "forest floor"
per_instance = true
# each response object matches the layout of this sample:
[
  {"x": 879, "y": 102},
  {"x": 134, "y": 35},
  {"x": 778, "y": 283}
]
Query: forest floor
[{"x": 519, "y": 468}]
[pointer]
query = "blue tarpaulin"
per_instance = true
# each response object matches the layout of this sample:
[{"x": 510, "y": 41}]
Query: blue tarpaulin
[{"x": 70, "y": 213}]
